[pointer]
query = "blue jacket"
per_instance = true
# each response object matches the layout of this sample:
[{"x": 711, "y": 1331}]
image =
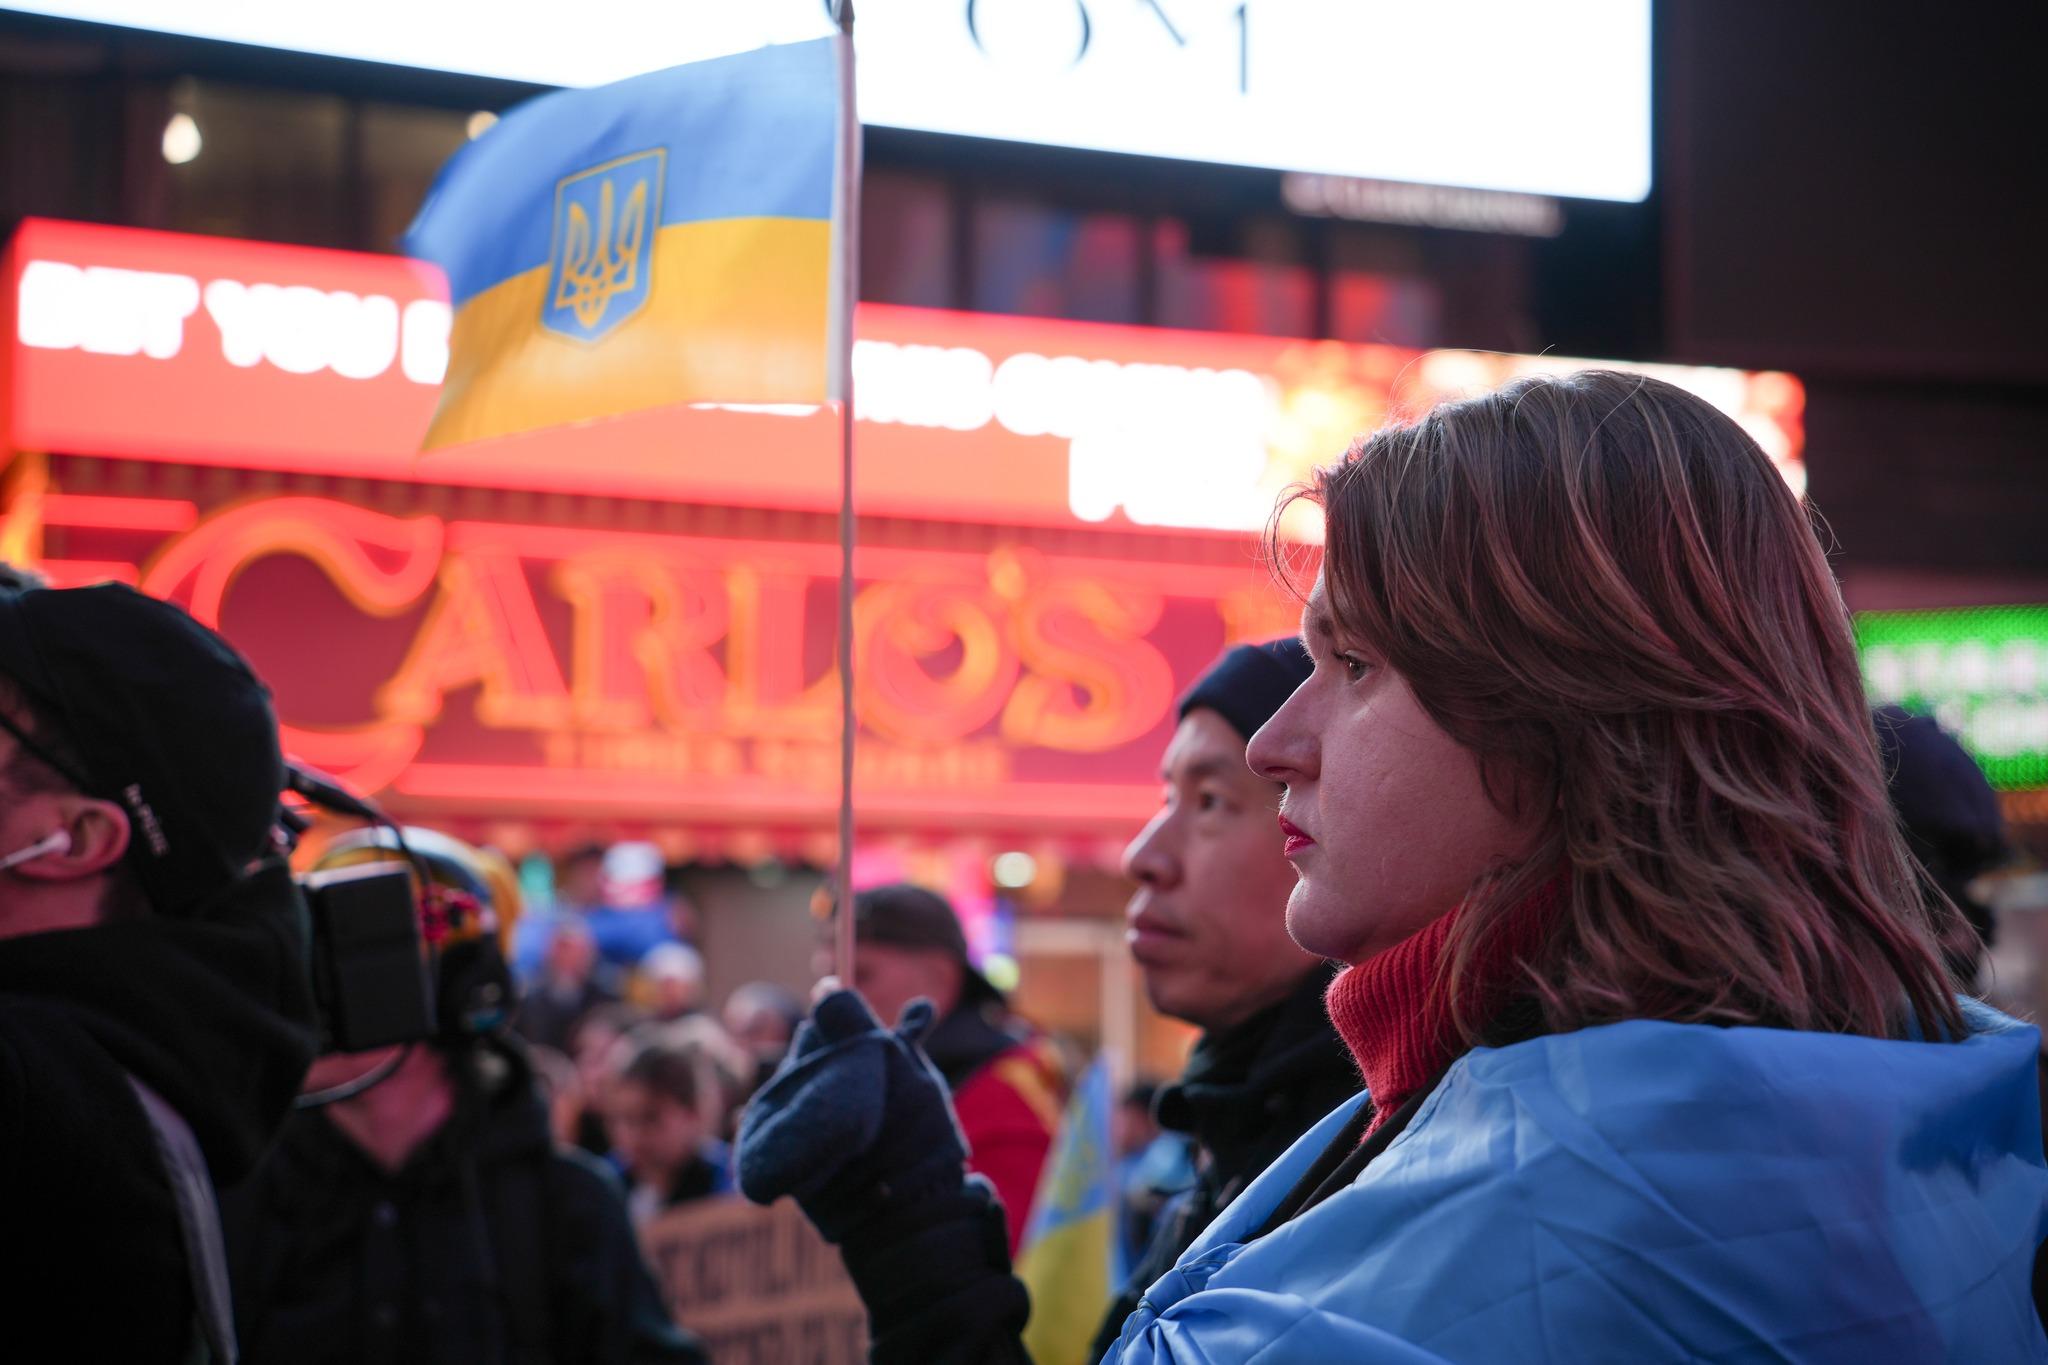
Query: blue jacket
[{"x": 1651, "y": 1192}]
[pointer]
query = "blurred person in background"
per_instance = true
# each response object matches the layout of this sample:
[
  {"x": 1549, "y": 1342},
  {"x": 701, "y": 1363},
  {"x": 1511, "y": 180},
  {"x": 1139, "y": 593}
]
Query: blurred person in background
[
  {"x": 561, "y": 1088},
  {"x": 578, "y": 890},
  {"x": 1952, "y": 822},
  {"x": 432, "y": 1218},
  {"x": 664, "y": 1111},
  {"x": 565, "y": 988},
  {"x": 1152, "y": 1165},
  {"x": 762, "y": 1017},
  {"x": 633, "y": 915},
  {"x": 598, "y": 1046},
  {"x": 731, "y": 1064},
  {"x": 1007, "y": 1082},
  {"x": 670, "y": 981},
  {"x": 579, "y": 880}
]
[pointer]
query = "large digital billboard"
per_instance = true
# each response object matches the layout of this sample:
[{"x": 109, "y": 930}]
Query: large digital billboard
[
  {"x": 1508, "y": 95},
  {"x": 251, "y": 355}
]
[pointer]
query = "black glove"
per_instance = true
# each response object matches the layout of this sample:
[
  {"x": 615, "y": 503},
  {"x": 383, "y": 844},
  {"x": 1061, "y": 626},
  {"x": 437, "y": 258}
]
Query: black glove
[{"x": 855, "y": 1122}]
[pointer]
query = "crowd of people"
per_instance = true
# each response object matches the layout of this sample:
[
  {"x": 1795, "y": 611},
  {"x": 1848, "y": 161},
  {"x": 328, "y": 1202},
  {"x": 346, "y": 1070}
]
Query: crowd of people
[{"x": 1569, "y": 985}]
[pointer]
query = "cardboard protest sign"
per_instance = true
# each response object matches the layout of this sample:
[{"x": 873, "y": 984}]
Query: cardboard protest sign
[{"x": 758, "y": 1285}]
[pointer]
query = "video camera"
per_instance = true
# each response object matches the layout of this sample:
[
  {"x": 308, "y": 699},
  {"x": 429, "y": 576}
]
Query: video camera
[{"x": 372, "y": 978}]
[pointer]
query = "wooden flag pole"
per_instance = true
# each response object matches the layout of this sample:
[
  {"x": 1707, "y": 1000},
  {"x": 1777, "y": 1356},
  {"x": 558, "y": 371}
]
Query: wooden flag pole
[{"x": 846, "y": 265}]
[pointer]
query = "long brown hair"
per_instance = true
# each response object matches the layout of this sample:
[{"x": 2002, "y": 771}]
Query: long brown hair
[{"x": 1599, "y": 585}]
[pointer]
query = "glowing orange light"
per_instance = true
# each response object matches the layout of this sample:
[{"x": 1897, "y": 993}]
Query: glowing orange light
[{"x": 86, "y": 510}]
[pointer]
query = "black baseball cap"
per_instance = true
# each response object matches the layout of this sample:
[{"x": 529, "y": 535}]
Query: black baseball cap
[
  {"x": 171, "y": 724},
  {"x": 908, "y": 916},
  {"x": 1249, "y": 683}
]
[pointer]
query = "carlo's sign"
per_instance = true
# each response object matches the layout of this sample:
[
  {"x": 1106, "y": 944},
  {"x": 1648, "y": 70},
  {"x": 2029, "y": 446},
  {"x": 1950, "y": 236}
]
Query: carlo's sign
[{"x": 542, "y": 669}]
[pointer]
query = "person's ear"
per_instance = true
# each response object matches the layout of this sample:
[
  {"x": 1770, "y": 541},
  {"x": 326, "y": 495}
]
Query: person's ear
[{"x": 98, "y": 833}]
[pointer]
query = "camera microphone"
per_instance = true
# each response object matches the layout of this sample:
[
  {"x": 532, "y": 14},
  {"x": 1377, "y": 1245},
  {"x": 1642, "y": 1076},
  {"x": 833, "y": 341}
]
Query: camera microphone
[{"x": 324, "y": 791}]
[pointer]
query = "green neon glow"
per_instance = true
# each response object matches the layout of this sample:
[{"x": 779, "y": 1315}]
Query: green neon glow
[{"x": 1981, "y": 671}]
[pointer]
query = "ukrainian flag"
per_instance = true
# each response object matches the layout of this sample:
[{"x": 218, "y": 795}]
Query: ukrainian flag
[
  {"x": 1067, "y": 1259},
  {"x": 665, "y": 239}
]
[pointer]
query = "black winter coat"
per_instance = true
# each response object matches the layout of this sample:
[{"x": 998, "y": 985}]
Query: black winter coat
[
  {"x": 213, "y": 1012},
  {"x": 1247, "y": 1093},
  {"x": 490, "y": 1247}
]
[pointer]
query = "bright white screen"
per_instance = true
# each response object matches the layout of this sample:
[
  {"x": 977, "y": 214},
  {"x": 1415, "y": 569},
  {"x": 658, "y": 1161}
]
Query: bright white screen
[{"x": 1543, "y": 98}]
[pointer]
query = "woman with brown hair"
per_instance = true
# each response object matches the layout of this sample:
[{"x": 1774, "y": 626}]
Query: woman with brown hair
[{"x": 1660, "y": 1060}]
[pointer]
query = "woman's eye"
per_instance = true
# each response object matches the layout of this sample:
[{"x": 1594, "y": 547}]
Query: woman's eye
[
  {"x": 1353, "y": 666},
  {"x": 1208, "y": 801}
]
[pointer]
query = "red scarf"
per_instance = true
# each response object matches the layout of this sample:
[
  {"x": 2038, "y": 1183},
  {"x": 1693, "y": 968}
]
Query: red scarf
[{"x": 1398, "y": 1028}]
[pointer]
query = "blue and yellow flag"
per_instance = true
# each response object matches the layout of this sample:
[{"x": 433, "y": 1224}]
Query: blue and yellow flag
[
  {"x": 665, "y": 239},
  {"x": 1068, "y": 1258}
]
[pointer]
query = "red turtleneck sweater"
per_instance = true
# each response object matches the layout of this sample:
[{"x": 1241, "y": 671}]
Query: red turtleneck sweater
[{"x": 1399, "y": 1030}]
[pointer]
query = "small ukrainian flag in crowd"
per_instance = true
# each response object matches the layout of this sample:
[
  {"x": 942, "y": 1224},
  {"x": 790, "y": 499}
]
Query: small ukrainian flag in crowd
[
  {"x": 665, "y": 239},
  {"x": 1068, "y": 1257}
]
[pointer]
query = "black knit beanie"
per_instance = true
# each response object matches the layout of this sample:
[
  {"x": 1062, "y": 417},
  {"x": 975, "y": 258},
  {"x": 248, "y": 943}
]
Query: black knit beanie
[{"x": 1248, "y": 684}]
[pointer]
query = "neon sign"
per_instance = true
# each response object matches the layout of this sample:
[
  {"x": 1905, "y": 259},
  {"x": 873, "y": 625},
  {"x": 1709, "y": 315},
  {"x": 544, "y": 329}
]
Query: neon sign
[
  {"x": 1981, "y": 671},
  {"x": 538, "y": 669},
  {"x": 298, "y": 329},
  {"x": 300, "y": 361}
]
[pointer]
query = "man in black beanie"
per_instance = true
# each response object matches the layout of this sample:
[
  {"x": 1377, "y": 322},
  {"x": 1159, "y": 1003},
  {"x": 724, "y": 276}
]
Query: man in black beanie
[
  {"x": 1207, "y": 928},
  {"x": 156, "y": 1014}
]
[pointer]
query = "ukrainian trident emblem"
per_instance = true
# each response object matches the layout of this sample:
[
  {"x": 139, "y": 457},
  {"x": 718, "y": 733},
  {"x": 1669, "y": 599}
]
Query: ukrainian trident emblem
[{"x": 602, "y": 262}]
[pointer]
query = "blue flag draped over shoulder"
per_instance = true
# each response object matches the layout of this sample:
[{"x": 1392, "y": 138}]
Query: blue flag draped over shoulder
[{"x": 664, "y": 239}]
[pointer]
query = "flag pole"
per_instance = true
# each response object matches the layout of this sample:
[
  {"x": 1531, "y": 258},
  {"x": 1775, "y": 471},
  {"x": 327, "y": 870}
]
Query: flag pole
[{"x": 846, "y": 293}]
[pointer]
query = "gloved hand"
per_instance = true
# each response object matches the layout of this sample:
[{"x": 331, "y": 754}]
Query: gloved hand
[{"x": 855, "y": 1122}]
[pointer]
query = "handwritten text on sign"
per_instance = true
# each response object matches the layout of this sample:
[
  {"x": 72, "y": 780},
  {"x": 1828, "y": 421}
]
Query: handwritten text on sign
[{"x": 759, "y": 1286}]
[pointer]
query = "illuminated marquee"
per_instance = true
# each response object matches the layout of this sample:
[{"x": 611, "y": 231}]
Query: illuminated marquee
[
  {"x": 531, "y": 670},
  {"x": 461, "y": 663},
  {"x": 295, "y": 360}
]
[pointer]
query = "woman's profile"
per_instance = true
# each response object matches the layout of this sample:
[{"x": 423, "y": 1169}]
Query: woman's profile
[{"x": 1660, "y": 1059}]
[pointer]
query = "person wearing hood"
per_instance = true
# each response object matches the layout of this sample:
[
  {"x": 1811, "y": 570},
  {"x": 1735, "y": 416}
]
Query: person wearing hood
[
  {"x": 430, "y": 1218},
  {"x": 156, "y": 1013},
  {"x": 1661, "y": 1060}
]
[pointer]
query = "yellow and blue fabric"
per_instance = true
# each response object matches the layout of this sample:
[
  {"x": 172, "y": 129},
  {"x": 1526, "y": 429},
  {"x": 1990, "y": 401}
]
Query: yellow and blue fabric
[
  {"x": 1648, "y": 1191},
  {"x": 663, "y": 239},
  {"x": 1068, "y": 1257}
]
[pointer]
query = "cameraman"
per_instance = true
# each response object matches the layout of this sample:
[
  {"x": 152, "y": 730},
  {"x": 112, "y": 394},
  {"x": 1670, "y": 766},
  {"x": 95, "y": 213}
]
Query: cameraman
[
  {"x": 155, "y": 1011},
  {"x": 429, "y": 1217}
]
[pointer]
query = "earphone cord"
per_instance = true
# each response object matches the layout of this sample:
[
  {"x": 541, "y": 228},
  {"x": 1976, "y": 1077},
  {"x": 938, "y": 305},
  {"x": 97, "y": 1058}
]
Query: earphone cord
[{"x": 348, "y": 1090}]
